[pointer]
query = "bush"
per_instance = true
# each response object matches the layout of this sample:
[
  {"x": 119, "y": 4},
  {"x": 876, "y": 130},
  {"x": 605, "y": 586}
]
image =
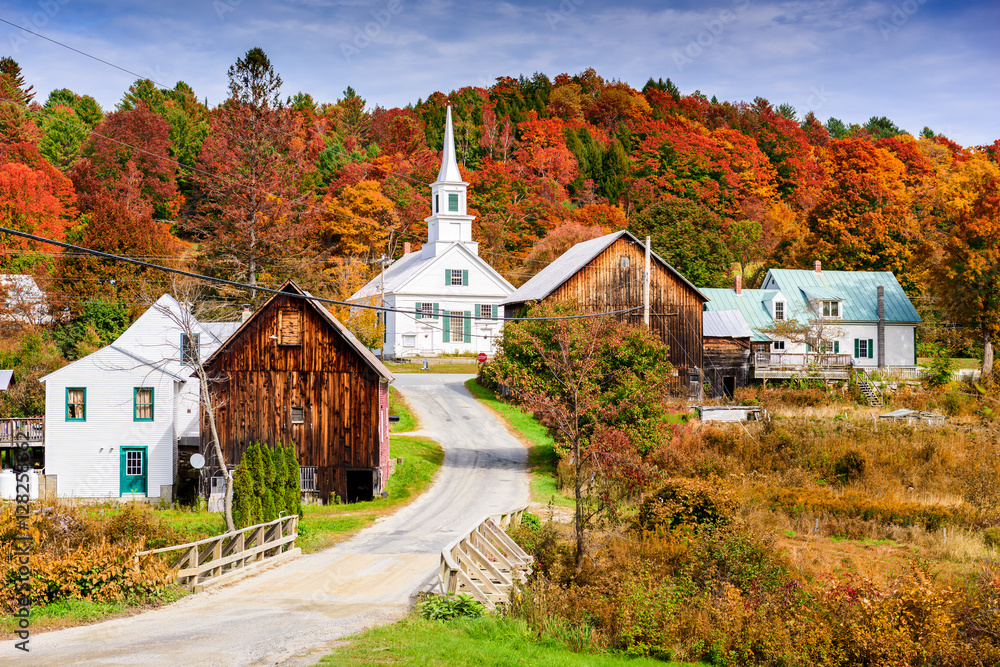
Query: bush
[
  {"x": 448, "y": 607},
  {"x": 796, "y": 501},
  {"x": 940, "y": 372},
  {"x": 851, "y": 466},
  {"x": 686, "y": 502}
]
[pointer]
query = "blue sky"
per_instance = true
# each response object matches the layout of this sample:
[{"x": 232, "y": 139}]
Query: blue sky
[{"x": 919, "y": 62}]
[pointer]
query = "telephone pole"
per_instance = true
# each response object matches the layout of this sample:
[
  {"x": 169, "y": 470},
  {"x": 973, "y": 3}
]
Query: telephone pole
[{"x": 645, "y": 287}]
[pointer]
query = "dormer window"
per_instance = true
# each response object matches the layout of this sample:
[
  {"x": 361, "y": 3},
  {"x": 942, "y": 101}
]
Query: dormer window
[
  {"x": 831, "y": 309},
  {"x": 779, "y": 310}
]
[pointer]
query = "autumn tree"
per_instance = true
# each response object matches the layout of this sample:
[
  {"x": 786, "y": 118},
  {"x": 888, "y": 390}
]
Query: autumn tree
[
  {"x": 252, "y": 169},
  {"x": 600, "y": 384},
  {"x": 970, "y": 265},
  {"x": 16, "y": 125}
]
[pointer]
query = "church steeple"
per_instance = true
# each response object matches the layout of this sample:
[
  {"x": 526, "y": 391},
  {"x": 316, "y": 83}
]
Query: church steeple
[{"x": 449, "y": 222}]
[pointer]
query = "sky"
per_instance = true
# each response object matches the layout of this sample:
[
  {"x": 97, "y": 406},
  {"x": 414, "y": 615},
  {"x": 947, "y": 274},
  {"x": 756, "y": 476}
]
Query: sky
[{"x": 921, "y": 63}]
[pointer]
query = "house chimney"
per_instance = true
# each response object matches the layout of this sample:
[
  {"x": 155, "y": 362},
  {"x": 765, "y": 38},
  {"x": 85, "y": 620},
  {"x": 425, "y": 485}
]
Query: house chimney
[
  {"x": 738, "y": 286},
  {"x": 406, "y": 247},
  {"x": 818, "y": 266},
  {"x": 246, "y": 313}
]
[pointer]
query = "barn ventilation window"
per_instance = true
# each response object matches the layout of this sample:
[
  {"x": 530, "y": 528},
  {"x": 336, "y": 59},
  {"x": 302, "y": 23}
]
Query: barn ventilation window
[
  {"x": 623, "y": 262},
  {"x": 298, "y": 415},
  {"x": 289, "y": 327}
]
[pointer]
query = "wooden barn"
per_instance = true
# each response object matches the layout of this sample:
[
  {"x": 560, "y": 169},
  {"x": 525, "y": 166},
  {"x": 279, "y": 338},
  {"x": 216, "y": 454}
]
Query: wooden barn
[
  {"x": 727, "y": 351},
  {"x": 606, "y": 274},
  {"x": 293, "y": 373}
]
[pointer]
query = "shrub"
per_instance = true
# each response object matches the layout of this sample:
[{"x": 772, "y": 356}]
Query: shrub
[
  {"x": 685, "y": 502},
  {"x": 448, "y": 607},
  {"x": 796, "y": 501},
  {"x": 940, "y": 372},
  {"x": 851, "y": 466},
  {"x": 991, "y": 537}
]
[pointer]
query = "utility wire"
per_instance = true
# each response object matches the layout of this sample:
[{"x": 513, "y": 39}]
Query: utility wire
[{"x": 268, "y": 290}]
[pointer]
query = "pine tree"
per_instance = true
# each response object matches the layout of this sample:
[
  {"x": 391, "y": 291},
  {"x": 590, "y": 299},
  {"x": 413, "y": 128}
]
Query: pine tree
[
  {"x": 280, "y": 467},
  {"x": 245, "y": 506},
  {"x": 268, "y": 513},
  {"x": 294, "y": 493}
]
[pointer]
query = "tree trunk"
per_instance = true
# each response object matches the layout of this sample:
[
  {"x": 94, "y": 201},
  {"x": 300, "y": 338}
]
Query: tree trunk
[
  {"x": 206, "y": 401},
  {"x": 987, "y": 356},
  {"x": 578, "y": 493}
]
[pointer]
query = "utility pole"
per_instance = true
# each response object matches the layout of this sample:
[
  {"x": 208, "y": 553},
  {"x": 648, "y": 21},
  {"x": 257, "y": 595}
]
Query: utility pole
[{"x": 645, "y": 287}]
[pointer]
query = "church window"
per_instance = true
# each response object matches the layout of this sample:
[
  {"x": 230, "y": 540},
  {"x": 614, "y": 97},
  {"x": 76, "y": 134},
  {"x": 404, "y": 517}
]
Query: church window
[{"x": 453, "y": 202}]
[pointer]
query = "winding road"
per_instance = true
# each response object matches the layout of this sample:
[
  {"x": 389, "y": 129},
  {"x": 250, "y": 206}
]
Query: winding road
[{"x": 291, "y": 614}]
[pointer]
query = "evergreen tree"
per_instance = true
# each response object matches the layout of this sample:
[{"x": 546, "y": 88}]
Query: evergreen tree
[
  {"x": 280, "y": 467},
  {"x": 267, "y": 509},
  {"x": 292, "y": 489},
  {"x": 246, "y": 509}
]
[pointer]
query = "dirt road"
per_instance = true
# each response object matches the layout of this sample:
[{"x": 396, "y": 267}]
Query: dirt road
[{"x": 290, "y": 614}]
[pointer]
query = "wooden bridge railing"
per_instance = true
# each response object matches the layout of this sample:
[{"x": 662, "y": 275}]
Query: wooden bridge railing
[
  {"x": 218, "y": 559},
  {"x": 486, "y": 563}
]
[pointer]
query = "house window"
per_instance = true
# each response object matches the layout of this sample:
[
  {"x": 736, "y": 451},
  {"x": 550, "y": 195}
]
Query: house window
[
  {"x": 409, "y": 340},
  {"x": 623, "y": 262},
  {"x": 425, "y": 310},
  {"x": 142, "y": 404},
  {"x": 831, "y": 309},
  {"x": 133, "y": 463},
  {"x": 76, "y": 404},
  {"x": 298, "y": 415},
  {"x": 289, "y": 327},
  {"x": 864, "y": 348},
  {"x": 453, "y": 202},
  {"x": 457, "y": 277},
  {"x": 486, "y": 311},
  {"x": 778, "y": 346},
  {"x": 779, "y": 310},
  {"x": 190, "y": 349},
  {"x": 456, "y": 324}
]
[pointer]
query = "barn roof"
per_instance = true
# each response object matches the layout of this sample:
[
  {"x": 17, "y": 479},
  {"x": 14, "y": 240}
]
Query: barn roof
[
  {"x": 553, "y": 276},
  {"x": 750, "y": 302},
  {"x": 725, "y": 324},
  {"x": 291, "y": 288}
]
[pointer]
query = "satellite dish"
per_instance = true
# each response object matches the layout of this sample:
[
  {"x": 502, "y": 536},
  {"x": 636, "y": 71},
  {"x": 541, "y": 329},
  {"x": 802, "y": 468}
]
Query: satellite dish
[{"x": 197, "y": 461}]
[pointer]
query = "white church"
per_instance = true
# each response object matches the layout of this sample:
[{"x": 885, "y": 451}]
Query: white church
[{"x": 446, "y": 299}]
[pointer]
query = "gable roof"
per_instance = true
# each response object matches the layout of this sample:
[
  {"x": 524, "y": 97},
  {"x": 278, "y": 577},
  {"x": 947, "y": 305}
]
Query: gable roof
[
  {"x": 856, "y": 289},
  {"x": 749, "y": 303},
  {"x": 291, "y": 288},
  {"x": 553, "y": 276},
  {"x": 398, "y": 274},
  {"x": 725, "y": 324}
]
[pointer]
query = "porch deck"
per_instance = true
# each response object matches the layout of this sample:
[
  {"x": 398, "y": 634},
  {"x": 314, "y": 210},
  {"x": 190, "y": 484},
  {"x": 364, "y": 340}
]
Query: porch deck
[
  {"x": 22, "y": 429},
  {"x": 782, "y": 366}
]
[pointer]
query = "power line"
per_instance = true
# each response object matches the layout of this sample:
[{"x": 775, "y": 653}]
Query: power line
[{"x": 268, "y": 290}]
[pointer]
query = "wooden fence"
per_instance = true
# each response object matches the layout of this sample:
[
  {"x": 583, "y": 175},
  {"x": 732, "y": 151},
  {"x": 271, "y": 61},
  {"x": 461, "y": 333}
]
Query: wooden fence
[
  {"x": 486, "y": 563},
  {"x": 216, "y": 560}
]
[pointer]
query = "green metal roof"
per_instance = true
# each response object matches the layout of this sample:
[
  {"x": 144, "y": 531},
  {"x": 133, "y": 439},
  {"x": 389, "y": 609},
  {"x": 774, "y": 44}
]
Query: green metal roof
[
  {"x": 856, "y": 289},
  {"x": 750, "y": 303}
]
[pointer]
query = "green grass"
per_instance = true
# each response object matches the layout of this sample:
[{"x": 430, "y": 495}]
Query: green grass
[
  {"x": 541, "y": 454},
  {"x": 325, "y": 525},
  {"x": 471, "y": 368},
  {"x": 72, "y": 612},
  {"x": 959, "y": 362},
  {"x": 398, "y": 406},
  {"x": 489, "y": 641}
]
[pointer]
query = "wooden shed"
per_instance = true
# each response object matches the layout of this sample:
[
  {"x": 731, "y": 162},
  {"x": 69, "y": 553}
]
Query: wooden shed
[
  {"x": 292, "y": 373},
  {"x": 727, "y": 351},
  {"x": 606, "y": 274}
]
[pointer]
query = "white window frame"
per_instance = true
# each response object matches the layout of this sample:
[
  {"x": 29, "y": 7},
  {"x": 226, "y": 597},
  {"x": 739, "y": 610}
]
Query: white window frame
[
  {"x": 487, "y": 311},
  {"x": 457, "y": 336},
  {"x": 409, "y": 340},
  {"x": 831, "y": 309},
  {"x": 779, "y": 310},
  {"x": 456, "y": 275},
  {"x": 778, "y": 345}
]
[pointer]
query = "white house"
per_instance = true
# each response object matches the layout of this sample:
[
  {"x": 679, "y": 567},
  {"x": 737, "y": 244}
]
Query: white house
[
  {"x": 866, "y": 316},
  {"x": 446, "y": 298},
  {"x": 113, "y": 419}
]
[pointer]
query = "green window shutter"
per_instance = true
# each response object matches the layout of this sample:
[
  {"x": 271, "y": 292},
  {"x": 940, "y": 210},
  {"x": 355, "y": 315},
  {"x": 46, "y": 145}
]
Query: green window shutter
[
  {"x": 468, "y": 327},
  {"x": 447, "y": 277},
  {"x": 836, "y": 347},
  {"x": 857, "y": 348},
  {"x": 435, "y": 306},
  {"x": 478, "y": 312},
  {"x": 416, "y": 310},
  {"x": 446, "y": 329},
  {"x": 465, "y": 277},
  {"x": 914, "y": 346},
  {"x": 871, "y": 349},
  {"x": 453, "y": 202}
]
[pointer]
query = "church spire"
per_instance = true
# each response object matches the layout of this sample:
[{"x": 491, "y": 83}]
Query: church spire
[{"x": 449, "y": 165}]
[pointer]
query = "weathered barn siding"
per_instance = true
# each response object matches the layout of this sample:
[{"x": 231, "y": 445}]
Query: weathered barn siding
[
  {"x": 727, "y": 358},
  {"x": 604, "y": 284},
  {"x": 259, "y": 381}
]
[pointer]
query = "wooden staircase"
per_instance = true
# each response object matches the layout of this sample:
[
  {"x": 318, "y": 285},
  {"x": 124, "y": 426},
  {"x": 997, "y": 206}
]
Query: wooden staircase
[
  {"x": 486, "y": 563},
  {"x": 869, "y": 389}
]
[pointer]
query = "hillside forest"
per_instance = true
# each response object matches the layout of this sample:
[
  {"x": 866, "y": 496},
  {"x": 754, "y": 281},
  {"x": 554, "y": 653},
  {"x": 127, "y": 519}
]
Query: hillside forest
[{"x": 270, "y": 185}]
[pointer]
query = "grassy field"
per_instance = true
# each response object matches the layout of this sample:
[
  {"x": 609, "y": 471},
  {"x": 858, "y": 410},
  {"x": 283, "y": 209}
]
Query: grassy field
[
  {"x": 490, "y": 641},
  {"x": 958, "y": 362},
  {"x": 470, "y": 368},
  {"x": 399, "y": 407},
  {"x": 541, "y": 447}
]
